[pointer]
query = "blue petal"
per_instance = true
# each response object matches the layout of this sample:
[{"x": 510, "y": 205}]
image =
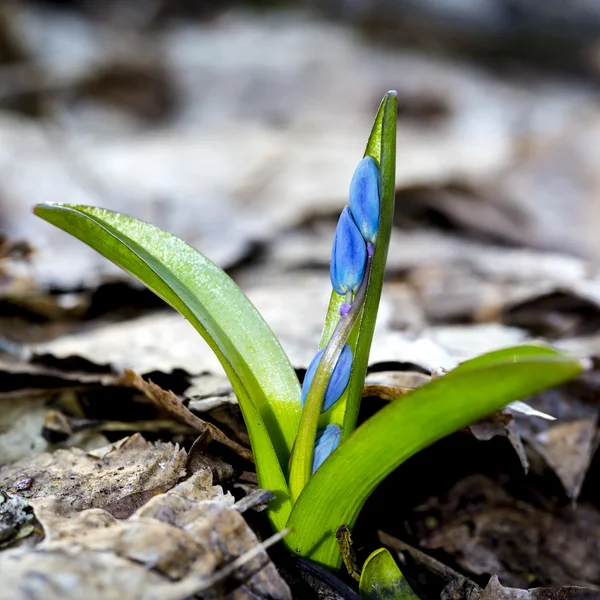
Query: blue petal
[
  {"x": 364, "y": 198},
  {"x": 326, "y": 442},
  {"x": 339, "y": 379},
  {"x": 349, "y": 255},
  {"x": 337, "y": 383}
]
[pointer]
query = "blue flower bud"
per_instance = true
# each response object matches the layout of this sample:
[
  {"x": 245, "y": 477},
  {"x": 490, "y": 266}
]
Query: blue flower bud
[
  {"x": 339, "y": 378},
  {"x": 364, "y": 198},
  {"x": 349, "y": 255},
  {"x": 326, "y": 442}
]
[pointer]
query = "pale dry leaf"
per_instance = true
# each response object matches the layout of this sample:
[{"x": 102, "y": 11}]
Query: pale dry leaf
[
  {"x": 118, "y": 478},
  {"x": 568, "y": 443},
  {"x": 167, "y": 400},
  {"x": 501, "y": 424},
  {"x": 494, "y": 590},
  {"x": 22, "y": 422},
  {"x": 177, "y": 541},
  {"x": 523, "y": 408},
  {"x": 208, "y": 391},
  {"x": 487, "y": 530},
  {"x": 569, "y": 449},
  {"x": 144, "y": 344},
  {"x": 21, "y": 425}
]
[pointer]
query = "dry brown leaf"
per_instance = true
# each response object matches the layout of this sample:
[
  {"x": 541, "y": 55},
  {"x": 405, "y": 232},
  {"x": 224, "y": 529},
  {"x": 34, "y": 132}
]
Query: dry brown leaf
[
  {"x": 487, "y": 531},
  {"x": 176, "y": 543},
  {"x": 501, "y": 424},
  {"x": 494, "y": 590},
  {"x": 173, "y": 405},
  {"x": 569, "y": 449},
  {"x": 118, "y": 478},
  {"x": 143, "y": 344},
  {"x": 567, "y": 444},
  {"x": 388, "y": 385}
]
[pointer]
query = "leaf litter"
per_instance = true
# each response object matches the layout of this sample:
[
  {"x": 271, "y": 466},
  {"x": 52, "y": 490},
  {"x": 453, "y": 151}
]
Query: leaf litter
[{"x": 116, "y": 520}]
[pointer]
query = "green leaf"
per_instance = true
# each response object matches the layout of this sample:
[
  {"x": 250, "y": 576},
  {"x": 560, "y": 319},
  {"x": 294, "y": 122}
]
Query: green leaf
[
  {"x": 382, "y": 148},
  {"x": 513, "y": 354},
  {"x": 337, "y": 491},
  {"x": 381, "y": 579},
  {"x": 260, "y": 373}
]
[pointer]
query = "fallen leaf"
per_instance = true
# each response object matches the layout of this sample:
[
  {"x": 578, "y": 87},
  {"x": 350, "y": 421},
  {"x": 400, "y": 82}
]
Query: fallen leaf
[
  {"x": 22, "y": 429},
  {"x": 568, "y": 443},
  {"x": 569, "y": 448},
  {"x": 494, "y": 590},
  {"x": 501, "y": 424},
  {"x": 118, "y": 478},
  {"x": 175, "y": 543},
  {"x": 487, "y": 531},
  {"x": 172, "y": 404}
]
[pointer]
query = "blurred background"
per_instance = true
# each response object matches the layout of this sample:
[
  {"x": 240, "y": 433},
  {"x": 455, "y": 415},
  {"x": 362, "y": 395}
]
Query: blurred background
[{"x": 237, "y": 126}]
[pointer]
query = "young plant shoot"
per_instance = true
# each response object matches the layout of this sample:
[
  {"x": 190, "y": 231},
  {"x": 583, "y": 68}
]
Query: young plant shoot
[{"x": 306, "y": 446}]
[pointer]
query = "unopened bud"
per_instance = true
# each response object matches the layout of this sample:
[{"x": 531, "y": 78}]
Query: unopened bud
[
  {"x": 349, "y": 255},
  {"x": 338, "y": 380},
  {"x": 326, "y": 442},
  {"x": 364, "y": 198}
]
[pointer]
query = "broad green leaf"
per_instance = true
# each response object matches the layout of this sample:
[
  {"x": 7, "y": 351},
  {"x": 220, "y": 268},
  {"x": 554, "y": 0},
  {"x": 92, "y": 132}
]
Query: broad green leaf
[
  {"x": 382, "y": 579},
  {"x": 514, "y": 354},
  {"x": 381, "y": 146},
  {"x": 261, "y": 375},
  {"x": 268, "y": 470},
  {"x": 337, "y": 491}
]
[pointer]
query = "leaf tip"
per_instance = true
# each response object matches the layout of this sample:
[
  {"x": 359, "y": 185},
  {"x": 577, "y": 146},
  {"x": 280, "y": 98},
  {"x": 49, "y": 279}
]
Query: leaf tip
[{"x": 40, "y": 207}]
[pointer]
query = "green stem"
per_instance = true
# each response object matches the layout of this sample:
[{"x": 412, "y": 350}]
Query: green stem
[{"x": 302, "y": 455}]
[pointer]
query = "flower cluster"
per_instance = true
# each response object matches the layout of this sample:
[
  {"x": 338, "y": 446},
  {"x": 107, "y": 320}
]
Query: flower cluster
[{"x": 353, "y": 247}]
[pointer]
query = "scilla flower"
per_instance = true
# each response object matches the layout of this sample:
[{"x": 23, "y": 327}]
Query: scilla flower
[
  {"x": 364, "y": 198},
  {"x": 326, "y": 442},
  {"x": 349, "y": 255},
  {"x": 339, "y": 378}
]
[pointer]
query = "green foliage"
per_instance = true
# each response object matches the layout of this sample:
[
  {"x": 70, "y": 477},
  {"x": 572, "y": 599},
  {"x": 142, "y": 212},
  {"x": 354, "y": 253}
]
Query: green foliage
[
  {"x": 381, "y": 579},
  {"x": 382, "y": 148},
  {"x": 281, "y": 432},
  {"x": 263, "y": 379},
  {"x": 338, "y": 490}
]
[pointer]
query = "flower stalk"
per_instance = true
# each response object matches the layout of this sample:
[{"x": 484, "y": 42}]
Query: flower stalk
[{"x": 302, "y": 457}]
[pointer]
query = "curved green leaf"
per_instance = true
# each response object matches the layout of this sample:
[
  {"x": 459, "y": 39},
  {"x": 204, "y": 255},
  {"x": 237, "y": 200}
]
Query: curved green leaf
[
  {"x": 337, "y": 491},
  {"x": 513, "y": 354},
  {"x": 382, "y": 579},
  {"x": 262, "y": 377}
]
